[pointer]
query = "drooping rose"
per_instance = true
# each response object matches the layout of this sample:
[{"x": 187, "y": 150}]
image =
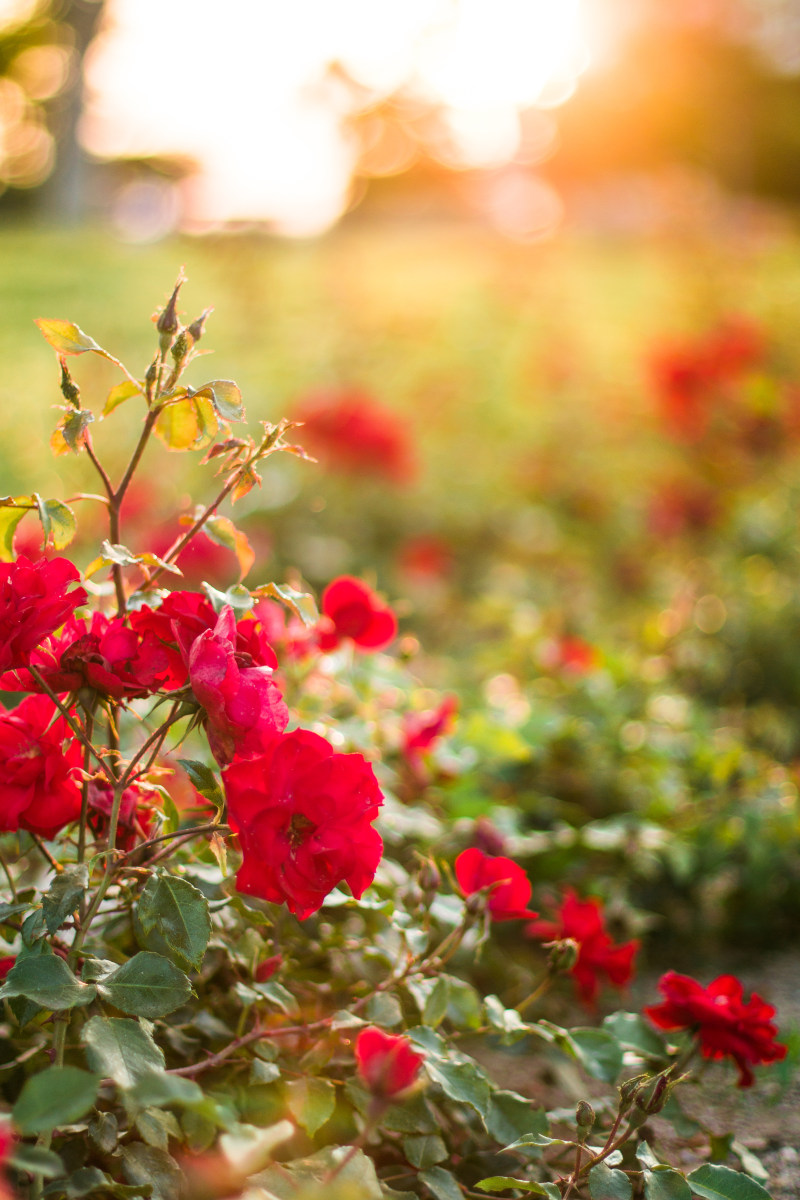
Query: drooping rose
[
  {"x": 582, "y": 921},
  {"x": 724, "y": 1025},
  {"x": 39, "y": 763},
  {"x": 351, "y": 610},
  {"x": 182, "y": 617},
  {"x": 387, "y": 1063},
  {"x": 105, "y": 655},
  {"x": 304, "y": 817},
  {"x": 509, "y": 888},
  {"x": 34, "y": 602},
  {"x": 244, "y": 707}
]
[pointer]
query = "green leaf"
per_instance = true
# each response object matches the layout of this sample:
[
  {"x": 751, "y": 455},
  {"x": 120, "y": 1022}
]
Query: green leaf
[
  {"x": 121, "y": 1049},
  {"x": 172, "y": 919},
  {"x": 302, "y": 604},
  {"x": 154, "y": 1088},
  {"x": 47, "y": 980},
  {"x": 11, "y": 513},
  {"x": 204, "y": 779},
  {"x": 65, "y": 337},
  {"x": 458, "y": 1076},
  {"x": 384, "y": 1010},
  {"x": 662, "y": 1183},
  {"x": 239, "y": 598},
  {"x": 103, "y": 1131},
  {"x": 147, "y": 1165},
  {"x": 226, "y": 398},
  {"x": 505, "y": 1020},
  {"x": 148, "y": 985},
  {"x": 443, "y": 1184},
  {"x": 311, "y": 1102},
  {"x": 35, "y": 1159},
  {"x": 223, "y": 531},
  {"x": 633, "y": 1032},
  {"x": 425, "y": 1151},
  {"x": 436, "y": 1005},
  {"x": 607, "y": 1184},
  {"x": 464, "y": 1005},
  {"x": 157, "y": 1126},
  {"x": 59, "y": 525},
  {"x": 56, "y": 1096},
  {"x": 511, "y": 1116},
  {"x": 119, "y": 394},
  {"x": 64, "y": 896},
  {"x": 712, "y": 1182},
  {"x": 91, "y": 1181},
  {"x": 248, "y": 1147},
  {"x": 501, "y": 1183},
  {"x": 599, "y": 1053},
  {"x": 188, "y": 423}
]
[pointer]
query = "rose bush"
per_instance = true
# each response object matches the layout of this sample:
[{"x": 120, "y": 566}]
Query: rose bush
[{"x": 300, "y": 986}]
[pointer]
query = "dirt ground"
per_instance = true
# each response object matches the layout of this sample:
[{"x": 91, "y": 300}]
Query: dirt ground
[{"x": 765, "y": 1118}]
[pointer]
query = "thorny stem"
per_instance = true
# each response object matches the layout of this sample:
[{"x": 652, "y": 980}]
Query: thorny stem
[
  {"x": 85, "y": 790},
  {"x": 540, "y": 990},
  {"x": 8, "y": 876},
  {"x": 195, "y": 831},
  {"x": 154, "y": 743},
  {"x": 40, "y": 846}
]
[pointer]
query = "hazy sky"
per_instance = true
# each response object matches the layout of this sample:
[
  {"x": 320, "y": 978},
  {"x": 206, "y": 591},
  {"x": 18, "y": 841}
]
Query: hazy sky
[{"x": 240, "y": 87}]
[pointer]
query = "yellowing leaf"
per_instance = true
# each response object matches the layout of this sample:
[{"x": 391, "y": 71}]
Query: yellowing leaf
[
  {"x": 67, "y": 338},
  {"x": 226, "y": 398},
  {"x": 188, "y": 424},
  {"x": 223, "y": 531},
  {"x": 58, "y": 522},
  {"x": 302, "y": 604},
  {"x": 245, "y": 483},
  {"x": 12, "y": 510},
  {"x": 119, "y": 394}
]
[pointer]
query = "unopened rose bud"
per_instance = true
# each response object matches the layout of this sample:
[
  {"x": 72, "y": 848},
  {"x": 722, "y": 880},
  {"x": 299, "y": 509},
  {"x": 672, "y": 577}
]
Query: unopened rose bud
[
  {"x": 180, "y": 348},
  {"x": 388, "y": 1064},
  {"x": 475, "y": 904},
  {"x": 413, "y": 897},
  {"x": 167, "y": 323},
  {"x": 69, "y": 388},
  {"x": 430, "y": 879},
  {"x": 629, "y": 1090},
  {"x": 563, "y": 956},
  {"x": 584, "y": 1115},
  {"x": 652, "y": 1100},
  {"x": 197, "y": 327},
  {"x": 266, "y": 969}
]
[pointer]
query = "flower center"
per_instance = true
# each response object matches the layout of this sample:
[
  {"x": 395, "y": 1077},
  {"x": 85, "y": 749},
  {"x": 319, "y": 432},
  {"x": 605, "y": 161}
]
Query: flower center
[{"x": 299, "y": 829}]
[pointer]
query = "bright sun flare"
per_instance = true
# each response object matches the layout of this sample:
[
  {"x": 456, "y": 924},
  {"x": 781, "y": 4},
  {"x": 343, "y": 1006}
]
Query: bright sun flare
[{"x": 241, "y": 89}]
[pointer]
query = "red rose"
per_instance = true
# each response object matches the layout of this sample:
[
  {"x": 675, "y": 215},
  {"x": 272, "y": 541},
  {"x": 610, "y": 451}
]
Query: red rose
[
  {"x": 421, "y": 730},
  {"x": 182, "y": 617},
  {"x": 6, "y": 964},
  {"x": 267, "y": 968},
  {"x": 387, "y": 1063},
  {"x": 349, "y": 432},
  {"x": 304, "y": 817},
  {"x": 582, "y": 920},
  {"x": 39, "y": 763},
  {"x": 352, "y": 610},
  {"x": 105, "y": 655},
  {"x": 34, "y": 602},
  {"x": 510, "y": 888},
  {"x": 244, "y": 708},
  {"x": 725, "y": 1026}
]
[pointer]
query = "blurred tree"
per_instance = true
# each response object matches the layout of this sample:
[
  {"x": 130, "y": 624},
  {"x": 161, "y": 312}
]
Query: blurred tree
[{"x": 42, "y": 165}]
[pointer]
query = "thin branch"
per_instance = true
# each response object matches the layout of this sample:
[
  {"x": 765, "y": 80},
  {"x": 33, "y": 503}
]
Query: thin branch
[{"x": 80, "y": 733}]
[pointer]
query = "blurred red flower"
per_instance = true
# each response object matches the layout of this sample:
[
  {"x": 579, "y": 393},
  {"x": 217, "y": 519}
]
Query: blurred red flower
[
  {"x": 104, "y": 655},
  {"x": 387, "y": 1063},
  {"x": 6, "y": 964},
  {"x": 244, "y": 707},
  {"x": 582, "y": 921},
  {"x": 510, "y": 888},
  {"x": 569, "y": 653},
  {"x": 725, "y": 1026},
  {"x": 267, "y": 968},
  {"x": 352, "y": 610},
  {"x": 425, "y": 558},
  {"x": 39, "y": 764},
  {"x": 34, "y": 602},
  {"x": 421, "y": 730},
  {"x": 304, "y": 817},
  {"x": 349, "y": 431}
]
